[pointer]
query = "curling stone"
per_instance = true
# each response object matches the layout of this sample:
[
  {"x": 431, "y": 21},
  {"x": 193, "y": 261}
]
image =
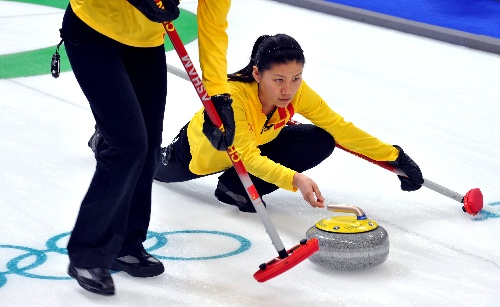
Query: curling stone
[{"x": 349, "y": 242}]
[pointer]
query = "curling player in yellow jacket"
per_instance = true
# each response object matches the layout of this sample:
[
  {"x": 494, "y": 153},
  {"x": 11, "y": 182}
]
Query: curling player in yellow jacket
[
  {"x": 266, "y": 94},
  {"x": 116, "y": 50}
]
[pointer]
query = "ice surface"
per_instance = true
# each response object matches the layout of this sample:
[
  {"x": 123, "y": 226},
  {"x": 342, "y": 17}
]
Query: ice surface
[{"x": 440, "y": 102}]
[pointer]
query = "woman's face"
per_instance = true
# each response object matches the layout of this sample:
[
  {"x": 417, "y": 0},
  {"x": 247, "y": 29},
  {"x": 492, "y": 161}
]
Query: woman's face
[{"x": 278, "y": 85}]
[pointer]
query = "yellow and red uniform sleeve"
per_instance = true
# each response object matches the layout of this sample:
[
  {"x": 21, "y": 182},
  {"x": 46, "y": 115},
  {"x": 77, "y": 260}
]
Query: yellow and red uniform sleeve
[{"x": 315, "y": 109}]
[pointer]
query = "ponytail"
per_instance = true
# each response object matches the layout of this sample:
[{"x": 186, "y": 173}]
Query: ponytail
[{"x": 267, "y": 51}]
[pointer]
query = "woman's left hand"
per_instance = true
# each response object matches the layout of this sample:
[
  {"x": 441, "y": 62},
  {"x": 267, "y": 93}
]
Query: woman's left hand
[
  {"x": 413, "y": 179},
  {"x": 309, "y": 189}
]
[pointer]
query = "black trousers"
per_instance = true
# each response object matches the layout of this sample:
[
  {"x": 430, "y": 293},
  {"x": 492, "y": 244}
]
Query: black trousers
[
  {"x": 299, "y": 147},
  {"x": 126, "y": 89}
]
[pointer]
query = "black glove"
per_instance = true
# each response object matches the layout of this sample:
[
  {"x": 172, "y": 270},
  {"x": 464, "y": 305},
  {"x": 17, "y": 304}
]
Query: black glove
[
  {"x": 221, "y": 141},
  {"x": 414, "y": 180},
  {"x": 148, "y": 8}
]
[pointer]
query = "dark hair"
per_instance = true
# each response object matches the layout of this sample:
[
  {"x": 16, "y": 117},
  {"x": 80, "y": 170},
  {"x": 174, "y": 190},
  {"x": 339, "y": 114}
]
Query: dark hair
[{"x": 267, "y": 51}]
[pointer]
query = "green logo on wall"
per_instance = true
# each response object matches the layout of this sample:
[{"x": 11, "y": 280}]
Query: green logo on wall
[{"x": 37, "y": 62}]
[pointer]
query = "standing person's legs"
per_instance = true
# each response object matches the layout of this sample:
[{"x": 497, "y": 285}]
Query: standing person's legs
[
  {"x": 299, "y": 147},
  {"x": 148, "y": 74},
  {"x": 101, "y": 224},
  {"x": 146, "y": 68}
]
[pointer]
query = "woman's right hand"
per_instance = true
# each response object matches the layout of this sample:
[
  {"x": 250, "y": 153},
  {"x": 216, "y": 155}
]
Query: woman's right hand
[
  {"x": 148, "y": 8},
  {"x": 309, "y": 189}
]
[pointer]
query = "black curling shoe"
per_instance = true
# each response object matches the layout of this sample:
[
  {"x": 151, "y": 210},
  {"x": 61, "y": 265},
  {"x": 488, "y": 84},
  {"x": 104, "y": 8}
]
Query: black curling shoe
[
  {"x": 97, "y": 280},
  {"x": 243, "y": 203},
  {"x": 141, "y": 264}
]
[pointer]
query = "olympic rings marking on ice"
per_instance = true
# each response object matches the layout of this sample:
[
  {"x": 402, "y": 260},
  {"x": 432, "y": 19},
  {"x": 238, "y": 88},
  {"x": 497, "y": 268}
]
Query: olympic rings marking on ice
[
  {"x": 161, "y": 241},
  {"x": 14, "y": 265},
  {"x": 484, "y": 215}
]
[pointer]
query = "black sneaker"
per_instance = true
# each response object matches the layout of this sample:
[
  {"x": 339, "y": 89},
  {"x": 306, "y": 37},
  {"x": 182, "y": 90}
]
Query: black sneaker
[
  {"x": 225, "y": 196},
  {"x": 141, "y": 264},
  {"x": 95, "y": 139},
  {"x": 96, "y": 280}
]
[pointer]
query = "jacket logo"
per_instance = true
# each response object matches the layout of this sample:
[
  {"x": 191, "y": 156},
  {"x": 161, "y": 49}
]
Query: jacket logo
[{"x": 233, "y": 154}]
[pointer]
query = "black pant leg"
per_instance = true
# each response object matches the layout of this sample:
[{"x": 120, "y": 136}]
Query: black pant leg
[
  {"x": 98, "y": 65},
  {"x": 147, "y": 70}
]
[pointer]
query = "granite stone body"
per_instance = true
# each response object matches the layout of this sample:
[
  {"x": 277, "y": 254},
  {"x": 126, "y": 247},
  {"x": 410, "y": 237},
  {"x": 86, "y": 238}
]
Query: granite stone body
[{"x": 350, "y": 251}]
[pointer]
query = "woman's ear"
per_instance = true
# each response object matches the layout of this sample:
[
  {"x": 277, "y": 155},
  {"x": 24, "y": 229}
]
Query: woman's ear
[{"x": 256, "y": 73}]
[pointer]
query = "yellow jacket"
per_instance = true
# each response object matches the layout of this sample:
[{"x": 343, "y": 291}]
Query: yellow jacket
[
  {"x": 119, "y": 20},
  {"x": 250, "y": 120}
]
